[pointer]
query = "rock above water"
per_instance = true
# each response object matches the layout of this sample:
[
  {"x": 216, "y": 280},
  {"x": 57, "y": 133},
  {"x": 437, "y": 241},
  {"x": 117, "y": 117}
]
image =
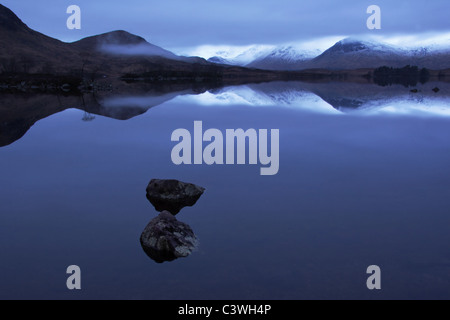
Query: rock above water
[
  {"x": 173, "y": 195},
  {"x": 166, "y": 239}
]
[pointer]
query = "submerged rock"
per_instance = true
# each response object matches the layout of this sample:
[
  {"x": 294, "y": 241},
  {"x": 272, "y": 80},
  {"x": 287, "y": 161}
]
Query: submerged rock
[
  {"x": 173, "y": 195},
  {"x": 167, "y": 239}
]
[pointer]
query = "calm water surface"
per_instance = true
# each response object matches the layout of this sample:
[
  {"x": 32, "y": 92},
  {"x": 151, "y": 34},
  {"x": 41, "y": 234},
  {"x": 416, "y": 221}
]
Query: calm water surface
[{"x": 370, "y": 185}]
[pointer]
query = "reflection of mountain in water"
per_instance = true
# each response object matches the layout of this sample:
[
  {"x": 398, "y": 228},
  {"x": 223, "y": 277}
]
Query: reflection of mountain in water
[
  {"x": 20, "y": 111},
  {"x": 330, "y": 96},
  {"x": 344, "y": 96}
]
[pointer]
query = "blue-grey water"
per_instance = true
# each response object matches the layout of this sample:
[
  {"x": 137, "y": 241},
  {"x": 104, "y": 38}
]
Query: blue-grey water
[{"x": 354, "y": 189}]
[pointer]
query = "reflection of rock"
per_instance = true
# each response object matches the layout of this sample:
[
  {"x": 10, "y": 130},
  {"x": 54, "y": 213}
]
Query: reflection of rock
[
  {"x": 173, "y": 195},
  {"x": 166, "y": 239}
]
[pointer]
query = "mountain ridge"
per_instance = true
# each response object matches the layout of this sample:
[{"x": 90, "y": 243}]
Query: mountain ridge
[
  {"x": 9, "y": 20},
  {"x": 349, "y": 54},
  {"x": 284, "y": 58},
  {"x": 125, "y": 56},
  {"x": 117, "y": 52}
]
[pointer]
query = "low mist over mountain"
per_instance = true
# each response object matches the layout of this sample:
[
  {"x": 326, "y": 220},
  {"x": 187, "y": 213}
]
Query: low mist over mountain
[
  {"x": 122, "y": 42},
  {"x": 24, "y": 50},
  {"x": 121, "y": 55},
  {"x": 31, "y": 57}
]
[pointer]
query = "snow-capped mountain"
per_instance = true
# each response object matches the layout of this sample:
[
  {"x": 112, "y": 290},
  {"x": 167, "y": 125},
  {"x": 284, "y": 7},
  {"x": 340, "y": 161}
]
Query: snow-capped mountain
[
  {"x": 241, "y": 58},
  {"x": 355, "y": 54},
  {"x": 349, "y": 53},
  {"x": 284, "y": 58}
]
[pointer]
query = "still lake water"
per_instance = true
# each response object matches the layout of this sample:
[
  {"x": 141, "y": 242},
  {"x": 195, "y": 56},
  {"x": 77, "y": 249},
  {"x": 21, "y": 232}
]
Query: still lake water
[{"x": 360, "y": 186}]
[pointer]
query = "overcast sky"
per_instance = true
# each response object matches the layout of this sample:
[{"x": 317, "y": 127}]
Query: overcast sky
[{"x": 177, "y": 24}]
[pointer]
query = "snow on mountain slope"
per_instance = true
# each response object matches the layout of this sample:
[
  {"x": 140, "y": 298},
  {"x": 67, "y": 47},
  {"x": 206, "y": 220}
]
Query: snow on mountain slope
[
  {"x": 349, "y": 53},
  {"x": 265, "y": 57},
  {"x": 284, "y": 58},
  {"x": 242, "y": 57},
  {"x": 253, "y": 53},
  {"x": 291, "y": 53},
  {"x": 353, "y": 53}
]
